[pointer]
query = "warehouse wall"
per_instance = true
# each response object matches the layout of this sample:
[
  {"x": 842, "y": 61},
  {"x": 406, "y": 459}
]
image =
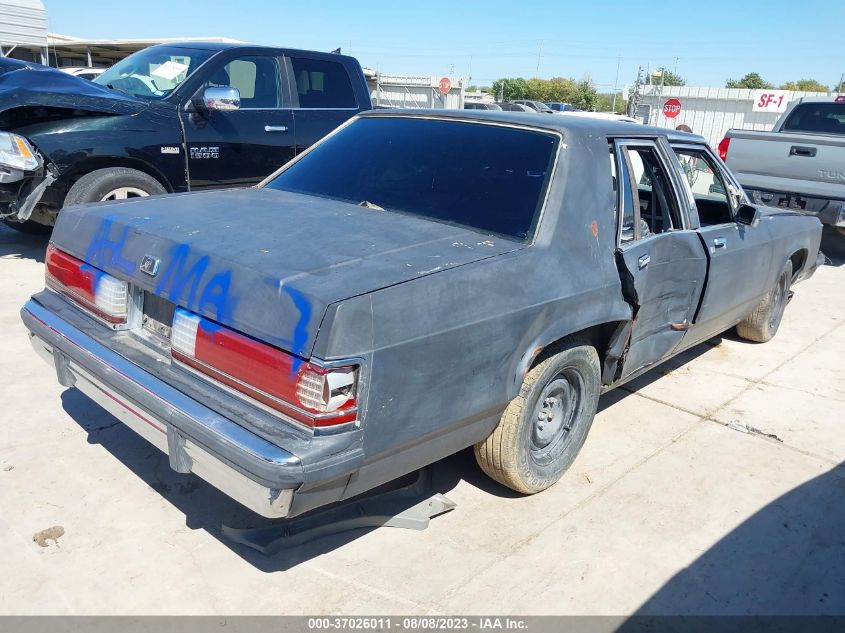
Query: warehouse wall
[
  {"x": 709, "y": 111},
  {"x": 408, "y": 91}
]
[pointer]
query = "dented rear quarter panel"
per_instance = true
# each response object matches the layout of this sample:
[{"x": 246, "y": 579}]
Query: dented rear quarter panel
[{"x": 448, "y": 351}]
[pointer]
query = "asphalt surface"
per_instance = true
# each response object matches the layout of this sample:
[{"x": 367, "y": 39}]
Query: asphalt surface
[{"x": 712, "y": 485}]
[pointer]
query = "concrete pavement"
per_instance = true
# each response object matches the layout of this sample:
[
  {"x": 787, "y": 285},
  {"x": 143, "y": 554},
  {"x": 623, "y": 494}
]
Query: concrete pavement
[{"x": 711, "y": 485}]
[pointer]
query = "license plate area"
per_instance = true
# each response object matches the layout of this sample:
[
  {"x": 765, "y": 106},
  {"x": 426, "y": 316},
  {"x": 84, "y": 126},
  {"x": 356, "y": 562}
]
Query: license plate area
[{"x": 158, "y": 316}]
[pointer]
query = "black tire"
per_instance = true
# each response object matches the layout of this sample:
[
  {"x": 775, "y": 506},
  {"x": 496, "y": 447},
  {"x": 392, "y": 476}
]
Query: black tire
[
  {"x": 537, "y": 440},
  {"x": 29, "y": 227},
  {"x": 99, "y": 184},
  {"x": 762, "y": 324}
]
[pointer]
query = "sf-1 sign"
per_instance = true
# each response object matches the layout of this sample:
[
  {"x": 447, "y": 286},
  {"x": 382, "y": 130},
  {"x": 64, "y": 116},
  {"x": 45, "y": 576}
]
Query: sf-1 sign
[{"x": 770, "y": 101}]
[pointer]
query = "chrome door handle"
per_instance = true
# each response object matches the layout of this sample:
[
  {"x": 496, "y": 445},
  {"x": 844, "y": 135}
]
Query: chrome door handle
[
  {"x": 275, "y": 128},
  {"x": 720, "y": 242},
  {"x": 644, "y": 260}
]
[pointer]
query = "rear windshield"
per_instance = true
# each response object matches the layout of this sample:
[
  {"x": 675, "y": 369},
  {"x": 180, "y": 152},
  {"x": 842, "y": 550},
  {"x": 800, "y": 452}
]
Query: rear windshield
[
  {"x": 818, "y": 118},
  {"x": 487, "y": 177}
]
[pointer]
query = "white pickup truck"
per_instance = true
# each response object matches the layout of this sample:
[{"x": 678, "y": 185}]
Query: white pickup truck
[{"x": 800, "y": 164}]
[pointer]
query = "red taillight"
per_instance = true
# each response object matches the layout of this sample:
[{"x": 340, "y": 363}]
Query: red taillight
[
  {"x": 314, "y": 395},
  {"x": 96, "y": 291},
  {"x": 723, "y": 148},
  {"x": 839, "y": 99}
]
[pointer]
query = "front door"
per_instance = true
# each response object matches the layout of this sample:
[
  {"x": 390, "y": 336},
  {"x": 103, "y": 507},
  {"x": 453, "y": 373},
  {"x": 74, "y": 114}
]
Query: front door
[
  {"x": 241, "y": 147},
  {"x": 661, "y": 261},
  {"x": 739, "y": 265}
]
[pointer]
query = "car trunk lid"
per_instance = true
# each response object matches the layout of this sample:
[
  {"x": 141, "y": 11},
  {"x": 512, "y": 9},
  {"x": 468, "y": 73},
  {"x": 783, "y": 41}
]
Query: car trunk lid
[{"x": 264, "y": 262}]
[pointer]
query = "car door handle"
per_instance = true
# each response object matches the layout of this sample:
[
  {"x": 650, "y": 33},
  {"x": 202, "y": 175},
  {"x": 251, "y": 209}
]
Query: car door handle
[
  {"x": 275, "y": 128},
  {"x": 720, "y": 242},
  {"x": 644, "y": 260},
  {"x": 798, "y": 150}
]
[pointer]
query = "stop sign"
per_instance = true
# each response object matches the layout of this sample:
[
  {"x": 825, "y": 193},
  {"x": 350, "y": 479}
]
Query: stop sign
[
  {"x": 445, "y": 85},
  {"x": 671, "y": 108}
]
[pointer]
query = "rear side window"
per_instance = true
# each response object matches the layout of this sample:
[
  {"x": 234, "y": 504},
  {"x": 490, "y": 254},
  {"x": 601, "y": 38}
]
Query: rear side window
[
  {"x": 322, "y": 84},
  {"x": 490, "y": 178},
  {"x": 817, "y": 118}
]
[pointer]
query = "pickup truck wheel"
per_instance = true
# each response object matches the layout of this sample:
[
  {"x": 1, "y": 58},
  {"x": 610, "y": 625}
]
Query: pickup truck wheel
[
  {"x": 113, "y": 183},
  {"x": 544, "y": 427},
  {"x": 763, "y": 322}
]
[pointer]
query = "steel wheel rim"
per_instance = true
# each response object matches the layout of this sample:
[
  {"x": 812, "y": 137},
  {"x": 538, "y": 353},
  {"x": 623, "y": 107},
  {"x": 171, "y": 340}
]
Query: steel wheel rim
[
  {"x": 124, "y": 193},
  {"x": 778, "y": 299},
  {"x": 556, "y": 414}
]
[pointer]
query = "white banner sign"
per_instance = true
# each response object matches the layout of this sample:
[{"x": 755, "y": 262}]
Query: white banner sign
[{"x": 770, "y": 100}]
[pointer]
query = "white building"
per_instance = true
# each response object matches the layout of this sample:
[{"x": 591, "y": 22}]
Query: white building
[
  {"x": 411, "y": 91},
  {"x": 711, "y": 112}
]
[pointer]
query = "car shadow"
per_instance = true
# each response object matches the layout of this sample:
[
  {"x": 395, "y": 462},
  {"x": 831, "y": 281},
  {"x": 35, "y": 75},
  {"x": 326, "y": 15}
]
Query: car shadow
[
  {"x": 208, "y": 509},
  {"x": 787, "y": 559},
  {"x": 17, "y": 245},
  {"x": 833, "y": 246}
]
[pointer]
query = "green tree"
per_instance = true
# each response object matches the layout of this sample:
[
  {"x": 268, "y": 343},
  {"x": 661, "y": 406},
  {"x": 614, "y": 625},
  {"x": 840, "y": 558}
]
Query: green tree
[
  {"x": 604, "y": 102},
  {"x": 752, "y": 80},
  {"x": 804, "y": 85},
  {"x": 840, "y": 87},
  {"x": 585, "y": 97},
  {"x": 665, "y": 77},
  {"x": 508, "y": 88}
]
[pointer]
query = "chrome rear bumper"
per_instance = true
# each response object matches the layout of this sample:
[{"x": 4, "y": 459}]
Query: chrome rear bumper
[{"x": 251, "y": 470}]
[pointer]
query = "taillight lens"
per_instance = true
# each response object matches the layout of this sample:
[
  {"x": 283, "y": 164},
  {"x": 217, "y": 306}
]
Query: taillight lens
[
  {"x": 314, "y": 395},
  {"x": 96, "y": 291},
  {"x": 723, "y": 148}
]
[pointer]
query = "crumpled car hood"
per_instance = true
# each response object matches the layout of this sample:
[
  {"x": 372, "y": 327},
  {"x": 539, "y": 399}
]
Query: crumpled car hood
[{"x": 25, "y": 84}]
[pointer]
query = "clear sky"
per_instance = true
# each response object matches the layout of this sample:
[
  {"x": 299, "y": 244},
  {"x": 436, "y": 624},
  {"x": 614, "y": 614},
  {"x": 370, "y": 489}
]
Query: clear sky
[{"x": 706, "y": 40}]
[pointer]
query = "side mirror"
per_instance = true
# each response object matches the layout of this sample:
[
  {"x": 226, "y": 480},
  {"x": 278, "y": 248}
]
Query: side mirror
[
  {"x": 747, "y": 214},
  {"x": 221, "y": 99}
]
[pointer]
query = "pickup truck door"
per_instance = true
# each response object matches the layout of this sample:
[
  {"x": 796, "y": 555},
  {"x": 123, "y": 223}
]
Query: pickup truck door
[
  {"x": 739, "y": 258},
  {"x": 323, "y": 97},
  {"x": 661, "y": 261},
  {"x": 239, "y": 148}
]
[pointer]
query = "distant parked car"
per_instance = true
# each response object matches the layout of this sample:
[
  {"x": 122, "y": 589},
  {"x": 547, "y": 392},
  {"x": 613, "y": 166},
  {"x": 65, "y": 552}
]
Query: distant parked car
[
  {"x": 536, "y": 106},
  {"x": 798, "y": 165},
  {"x": 514, "y": 107},
  {"x": 475, "y": 105},
  {"x": 607, "y": 116},
  {"x": 83, "y": 72},
  {"x": 557, "y": 106}
]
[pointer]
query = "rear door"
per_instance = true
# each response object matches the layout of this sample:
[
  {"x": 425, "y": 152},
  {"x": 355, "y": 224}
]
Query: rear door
[
  {"x": 661, "y": 261},
  {"x": 739, "y": 259},
  {"x": 323, "y": 97},
  {"x": 241, "y": 147}
]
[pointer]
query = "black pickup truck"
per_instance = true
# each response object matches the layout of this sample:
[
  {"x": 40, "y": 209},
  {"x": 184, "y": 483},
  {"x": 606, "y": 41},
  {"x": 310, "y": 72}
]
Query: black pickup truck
[{"x": 170, "y": 118}]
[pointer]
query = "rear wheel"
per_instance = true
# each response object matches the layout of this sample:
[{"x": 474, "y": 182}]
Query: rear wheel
[
  {"x": 763, "y": 322},
  {"x": 544, "y": 427},
  {"x": 113, "y": 183}
]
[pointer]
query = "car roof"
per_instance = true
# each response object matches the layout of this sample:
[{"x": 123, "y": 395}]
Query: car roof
[
  {"x": 575, "y": 125},
  {"x": 225, "y": 46}
]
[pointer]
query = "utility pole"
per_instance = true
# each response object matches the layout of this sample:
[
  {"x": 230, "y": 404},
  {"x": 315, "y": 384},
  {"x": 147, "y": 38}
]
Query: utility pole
[
  {"x": 616, "y": 83},
  {"x": 539, "y": 55},
  {"x": 675, "y": 72}
]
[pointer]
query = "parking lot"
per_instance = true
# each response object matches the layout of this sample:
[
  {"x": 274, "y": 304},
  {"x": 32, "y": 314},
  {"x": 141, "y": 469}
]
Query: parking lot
[{"x": 711, "y": 485}]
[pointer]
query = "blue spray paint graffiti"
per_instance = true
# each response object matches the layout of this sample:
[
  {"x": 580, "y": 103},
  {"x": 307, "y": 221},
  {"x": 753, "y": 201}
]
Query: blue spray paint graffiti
[
  {"x": 300, "y": 332},
  {"x": 214, "y": 294},
  {"x": 106, "y": 251}
]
